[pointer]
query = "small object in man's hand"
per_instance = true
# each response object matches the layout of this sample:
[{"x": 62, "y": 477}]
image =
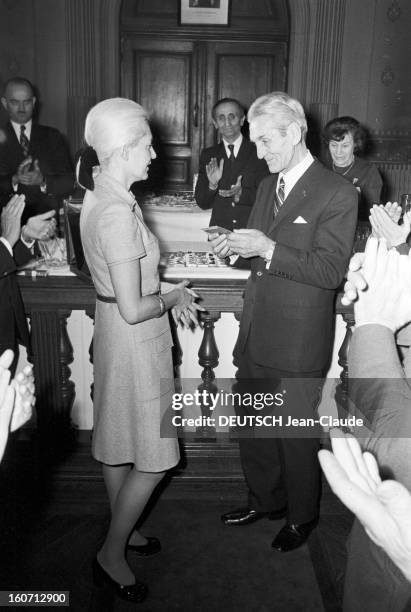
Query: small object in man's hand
[{"x": 216, "y": 229}]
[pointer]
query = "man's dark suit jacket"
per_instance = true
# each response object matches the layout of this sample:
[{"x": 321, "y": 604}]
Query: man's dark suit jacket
[
  {"x": 246, "y": 164},
  {"x": 48, "y": 146},
  {"x": 13, "y": 324},
  {"x": 288, "y": 309}
]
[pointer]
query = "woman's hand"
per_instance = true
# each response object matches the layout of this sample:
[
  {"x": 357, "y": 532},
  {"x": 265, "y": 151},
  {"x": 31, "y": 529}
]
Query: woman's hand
[{"x": 186, "y": 309}]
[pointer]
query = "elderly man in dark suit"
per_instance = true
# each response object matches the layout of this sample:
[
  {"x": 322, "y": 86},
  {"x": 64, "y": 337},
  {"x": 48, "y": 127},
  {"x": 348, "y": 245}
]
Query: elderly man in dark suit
[
  {"x": 230, "y": 172},
  {"x": 299, "y": 240},
  {"x": 34, "y": 159}
]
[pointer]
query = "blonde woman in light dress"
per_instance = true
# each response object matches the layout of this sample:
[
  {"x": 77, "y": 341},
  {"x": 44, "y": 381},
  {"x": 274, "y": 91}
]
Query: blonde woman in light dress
[{"x": 133, "y": 370}]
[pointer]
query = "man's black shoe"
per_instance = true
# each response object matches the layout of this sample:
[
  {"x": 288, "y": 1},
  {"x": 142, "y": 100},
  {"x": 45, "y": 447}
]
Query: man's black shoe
[
  {"x": 245, "y": 516},
  {"x": 293, "y": 536}
]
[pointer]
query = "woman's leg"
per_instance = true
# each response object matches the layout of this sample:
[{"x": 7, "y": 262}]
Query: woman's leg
[
  {"x": 114, "y": 477},
  {"x": 131, "y": 499}
]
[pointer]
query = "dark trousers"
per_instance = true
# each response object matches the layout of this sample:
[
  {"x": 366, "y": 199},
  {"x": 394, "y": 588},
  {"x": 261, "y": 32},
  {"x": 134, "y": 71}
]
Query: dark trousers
[{"x": 283, "y": 471}]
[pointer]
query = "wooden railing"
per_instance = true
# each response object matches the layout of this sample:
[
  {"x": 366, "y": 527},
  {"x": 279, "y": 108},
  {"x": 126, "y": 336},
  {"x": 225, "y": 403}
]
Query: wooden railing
[{"x": 49, "y": 302}]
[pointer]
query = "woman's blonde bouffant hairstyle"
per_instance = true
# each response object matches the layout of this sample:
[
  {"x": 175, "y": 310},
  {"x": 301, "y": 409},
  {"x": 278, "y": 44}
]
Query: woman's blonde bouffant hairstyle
[{"x": 113, "y": 124}]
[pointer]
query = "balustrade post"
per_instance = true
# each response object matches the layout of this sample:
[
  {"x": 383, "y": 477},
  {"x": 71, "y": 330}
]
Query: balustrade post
[
  {"x": 208, "y": 358},
  {"x": 51, "y": 354}
]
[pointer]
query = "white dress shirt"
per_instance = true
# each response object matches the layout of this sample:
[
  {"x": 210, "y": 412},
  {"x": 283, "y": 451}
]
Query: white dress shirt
[
  {"x": 236, "y": 143},
  {"x": 292, "y": 176},
  {"x": 17, "y": 126}
]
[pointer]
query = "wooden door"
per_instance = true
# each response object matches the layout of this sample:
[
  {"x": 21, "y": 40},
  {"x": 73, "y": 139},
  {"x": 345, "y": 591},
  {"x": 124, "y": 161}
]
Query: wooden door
[
  {"x": 162, "y": 75},
  {"x": 242, "y": 70},
  {"x": 179, "y": 81}
]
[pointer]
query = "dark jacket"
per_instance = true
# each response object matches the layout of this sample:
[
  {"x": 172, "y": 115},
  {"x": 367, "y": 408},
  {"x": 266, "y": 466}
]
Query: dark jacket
[
  {"x": 226, "y": 213},
  {"x": 288, "y": 309},
  {"x": 48, "y": 146},
  {"x": 13, "y": 324}
]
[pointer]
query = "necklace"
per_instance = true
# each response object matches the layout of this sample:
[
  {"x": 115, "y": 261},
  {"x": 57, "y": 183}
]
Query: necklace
[{"x": 346, "y": 171}]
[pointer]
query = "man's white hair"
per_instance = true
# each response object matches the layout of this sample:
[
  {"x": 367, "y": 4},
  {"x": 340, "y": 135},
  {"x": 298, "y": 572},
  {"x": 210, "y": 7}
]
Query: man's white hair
[{"x": 282, "y": 108}]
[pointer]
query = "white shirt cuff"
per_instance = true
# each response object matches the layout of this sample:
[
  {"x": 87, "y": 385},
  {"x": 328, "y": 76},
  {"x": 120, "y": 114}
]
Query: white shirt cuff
[
  {"x": 7, "y": 245},
  {"x": 28, "y": 244}
]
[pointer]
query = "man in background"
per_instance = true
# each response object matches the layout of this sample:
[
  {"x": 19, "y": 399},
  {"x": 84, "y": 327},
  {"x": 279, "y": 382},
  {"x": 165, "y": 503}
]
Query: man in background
[
  {"x": 34, "y": 159},
  {"x": 230, "y": 172}
]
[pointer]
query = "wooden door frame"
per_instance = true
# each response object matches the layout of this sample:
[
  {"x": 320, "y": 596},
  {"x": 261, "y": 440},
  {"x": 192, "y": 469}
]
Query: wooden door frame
[{"x": 107, "y": 22}]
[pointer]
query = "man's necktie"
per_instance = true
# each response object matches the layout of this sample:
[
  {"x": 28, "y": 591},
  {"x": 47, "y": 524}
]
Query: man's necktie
[
  {"x": 279, "y": 196},
  {"x": 24, "y": 141},
  {"x": 231, "y": 157}
]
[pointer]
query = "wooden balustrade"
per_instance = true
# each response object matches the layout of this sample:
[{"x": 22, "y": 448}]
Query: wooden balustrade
[{"x": 49, "y": 302}]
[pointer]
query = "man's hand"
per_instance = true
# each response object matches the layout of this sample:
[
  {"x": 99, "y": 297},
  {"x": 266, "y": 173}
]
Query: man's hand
[
  {"x": 214, "y": 172},
  {"x": 394, "y": 210},
  {"x": 31, "y": 177},
  {"x": 11, "y": 219},
  {"x": 40, "y": 227},
  {"x": 22, "y": 170},
  {"x": 387, "y": 301},
  {"x": 383, "y": 508},
  {"x": 234, "y": 192},
  {"x": 16, "y": 398},
  {"x": 219, "y": 245},
  {"x": 25, "y": 399},
  {"x": 355, "y": 279},
  {"x": 384, "y": 227},
  {"x": 249, "y": 243}
]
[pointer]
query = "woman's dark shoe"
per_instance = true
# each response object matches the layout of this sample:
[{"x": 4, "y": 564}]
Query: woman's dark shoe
[
  {"x": 152, "y": 547},
  {"x": 136, "y": 592}
]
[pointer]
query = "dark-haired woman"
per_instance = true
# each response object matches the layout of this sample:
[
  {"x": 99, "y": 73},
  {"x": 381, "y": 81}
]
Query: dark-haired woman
[{"x": 345, "y": 139}]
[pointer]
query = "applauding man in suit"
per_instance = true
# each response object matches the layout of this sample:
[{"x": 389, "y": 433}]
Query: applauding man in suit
[
  {"x": 299, "y": 240},
  {"x": 229, "y": 172},
  {"x": 16, "y": 245},
  {"x": 34, "y": 159}
]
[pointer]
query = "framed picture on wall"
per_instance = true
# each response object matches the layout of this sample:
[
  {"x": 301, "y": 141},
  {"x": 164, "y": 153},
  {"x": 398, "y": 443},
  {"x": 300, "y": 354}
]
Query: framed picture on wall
[{"x": 204, "y": 12}]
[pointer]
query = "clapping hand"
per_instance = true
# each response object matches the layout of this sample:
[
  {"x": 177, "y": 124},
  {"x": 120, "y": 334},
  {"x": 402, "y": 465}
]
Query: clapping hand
[
  {"x": 384, "y": 225},
  {"x": 23, "y": 384},
  {"x": 214, "y": 171},
  {"x": 234, "y": 192},
  {"x": 40, "y": 227},
  {"x": 186, "y": 309},
  {"x": 394, "y": 210},
  {"x": 387, "y": 299},
  {"x": 25, "y": 176},
  {"x": 16, "y": 398},
  {"x": 383, "y": 508},
  {"x": 11, "y": 219}
]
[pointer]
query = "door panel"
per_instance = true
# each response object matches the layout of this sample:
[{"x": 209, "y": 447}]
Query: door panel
[
  {"x": 159, "y": 74},
  {"x": 178, "y": 81},
  {"x": 242, "y": 70},
  {"x": 167, "y": 98}
]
